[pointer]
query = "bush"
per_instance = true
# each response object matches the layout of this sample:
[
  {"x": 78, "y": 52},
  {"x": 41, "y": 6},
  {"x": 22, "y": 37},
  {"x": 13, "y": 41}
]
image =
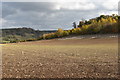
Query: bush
[
  {"x": 59, "y": 32},
  {"x": 76, "y": 31},
  {"x": 65, "y": 33}
]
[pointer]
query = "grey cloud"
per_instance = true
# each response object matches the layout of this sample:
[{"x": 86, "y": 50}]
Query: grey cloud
[
  {"x": 12, "y": 7},
  {"x": 45, "y": 15}
]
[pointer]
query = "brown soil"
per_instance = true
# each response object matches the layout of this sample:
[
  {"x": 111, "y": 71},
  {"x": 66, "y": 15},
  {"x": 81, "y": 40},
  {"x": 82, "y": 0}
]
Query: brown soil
[{"x": 72, "y": 58}]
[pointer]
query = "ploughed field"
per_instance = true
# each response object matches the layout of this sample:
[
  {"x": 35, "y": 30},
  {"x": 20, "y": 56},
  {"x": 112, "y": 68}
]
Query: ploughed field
[{"x": 65, "y": 58}]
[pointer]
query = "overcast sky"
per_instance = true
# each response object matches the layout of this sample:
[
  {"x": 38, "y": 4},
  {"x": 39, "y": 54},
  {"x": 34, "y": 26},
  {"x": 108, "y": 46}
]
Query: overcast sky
[{"x": 53, "y": 15}]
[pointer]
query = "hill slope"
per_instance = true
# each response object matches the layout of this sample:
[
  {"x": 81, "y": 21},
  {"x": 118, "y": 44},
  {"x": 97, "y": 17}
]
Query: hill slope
[{"x": 21, "y": 34}]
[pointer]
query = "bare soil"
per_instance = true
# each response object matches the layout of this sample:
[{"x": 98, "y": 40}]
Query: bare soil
[{"x": 68, "y": 58}]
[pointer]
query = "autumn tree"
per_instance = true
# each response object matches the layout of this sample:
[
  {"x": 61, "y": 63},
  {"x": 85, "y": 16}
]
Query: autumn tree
[
  {"x": 59, "y": 32},
  {"x": 74, "y": 25}
]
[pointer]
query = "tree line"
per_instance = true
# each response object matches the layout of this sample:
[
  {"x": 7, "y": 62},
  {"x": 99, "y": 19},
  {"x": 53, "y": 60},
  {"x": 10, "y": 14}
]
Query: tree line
[{"x": 99, "y": 25}]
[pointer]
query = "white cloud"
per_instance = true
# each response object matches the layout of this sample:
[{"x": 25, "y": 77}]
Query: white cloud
[
  {"x": 44, "y": 0},
  {"x": 111, "y": 5},
  {"x": 2, "y": 21},
  {"x": 75, "y": 6},
  {"x": 108, "y": 12}
]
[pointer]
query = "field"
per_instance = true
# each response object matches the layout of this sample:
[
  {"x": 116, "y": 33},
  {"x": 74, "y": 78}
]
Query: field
[{"x": 70, "y": 58}]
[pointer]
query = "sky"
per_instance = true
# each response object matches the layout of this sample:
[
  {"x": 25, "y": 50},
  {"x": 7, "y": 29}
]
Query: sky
[{"x": 51, "y": 15}]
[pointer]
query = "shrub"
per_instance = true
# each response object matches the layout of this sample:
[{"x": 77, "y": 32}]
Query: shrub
[
  {"x": 76, "y": 31},
  {"x": 65, "y": 33},
  {"x": 59, "y": 32}
]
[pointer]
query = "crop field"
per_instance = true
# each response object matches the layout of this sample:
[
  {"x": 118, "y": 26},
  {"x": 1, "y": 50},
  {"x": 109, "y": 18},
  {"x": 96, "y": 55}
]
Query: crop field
[{"x": 71, "y": 58}]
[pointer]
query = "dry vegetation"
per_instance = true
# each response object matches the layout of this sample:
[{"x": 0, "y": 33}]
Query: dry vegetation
[{"x": 73, "y": 58}]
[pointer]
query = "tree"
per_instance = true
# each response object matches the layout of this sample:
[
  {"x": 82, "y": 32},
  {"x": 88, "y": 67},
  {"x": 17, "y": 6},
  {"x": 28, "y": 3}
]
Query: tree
[
  {"x": 76, "y": 31},
  {"x": 74, "y": 25},
  {"x": 81, "y": 23},
  {"x": 59, "y": 32},
  {"x": 65, "y": 33},
  {"x": 102, "y": 16}
]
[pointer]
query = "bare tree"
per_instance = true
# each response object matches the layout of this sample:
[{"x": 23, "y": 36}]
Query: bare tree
[{"x": 74, "y": 25}]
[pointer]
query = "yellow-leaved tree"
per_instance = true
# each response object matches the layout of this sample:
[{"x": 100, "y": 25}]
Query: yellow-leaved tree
[{"x": 59, "y": 32}]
